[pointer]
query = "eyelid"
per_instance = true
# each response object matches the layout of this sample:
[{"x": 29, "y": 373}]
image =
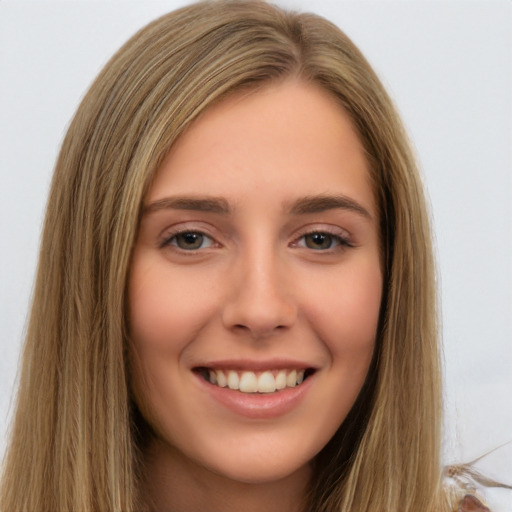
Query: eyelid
[
  {"x": 342, "y": 235},
  {"x": 323, "y": 228},
  {"x": 189, "y": 227}
]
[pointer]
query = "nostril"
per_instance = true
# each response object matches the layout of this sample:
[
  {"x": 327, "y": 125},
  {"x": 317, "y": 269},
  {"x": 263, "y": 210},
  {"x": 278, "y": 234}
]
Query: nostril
[
  {"x": 261, "y": 312},
  {"x": 259, "y": 331}
]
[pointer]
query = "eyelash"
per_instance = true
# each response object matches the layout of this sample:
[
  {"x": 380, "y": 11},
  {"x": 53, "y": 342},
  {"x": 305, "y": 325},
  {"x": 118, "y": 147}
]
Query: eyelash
[
  {"x": 168, "y": 241},
  {"x": 340, "y": 242}
]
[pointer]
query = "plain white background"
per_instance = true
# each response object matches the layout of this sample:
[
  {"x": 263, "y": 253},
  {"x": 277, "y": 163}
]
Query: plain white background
[{"x": 447, "y": 64}]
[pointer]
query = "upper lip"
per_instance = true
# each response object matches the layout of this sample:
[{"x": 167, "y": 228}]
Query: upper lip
[{"x": 255, "y": 365}]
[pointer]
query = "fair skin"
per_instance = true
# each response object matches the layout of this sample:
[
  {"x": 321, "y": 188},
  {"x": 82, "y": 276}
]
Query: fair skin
[{"x": 257, "y": 263}]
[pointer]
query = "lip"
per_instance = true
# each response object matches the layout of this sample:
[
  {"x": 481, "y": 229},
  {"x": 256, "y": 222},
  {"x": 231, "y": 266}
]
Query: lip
[
  {"x": 256, "y": 366},
  {"x": 256, "y": 405}
]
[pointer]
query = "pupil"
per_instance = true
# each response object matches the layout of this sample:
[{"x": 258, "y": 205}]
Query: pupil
[
  {"x": 318, "y": 241},
  {"x": 190, "y": 240}
]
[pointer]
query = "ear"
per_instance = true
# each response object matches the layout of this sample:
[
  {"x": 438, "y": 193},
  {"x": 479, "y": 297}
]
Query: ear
[{"x": 471, "y": 504}]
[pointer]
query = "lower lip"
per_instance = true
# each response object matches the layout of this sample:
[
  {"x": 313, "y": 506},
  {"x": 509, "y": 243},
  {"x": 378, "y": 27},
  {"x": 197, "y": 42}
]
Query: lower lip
[{"x": 258, "y": 405}]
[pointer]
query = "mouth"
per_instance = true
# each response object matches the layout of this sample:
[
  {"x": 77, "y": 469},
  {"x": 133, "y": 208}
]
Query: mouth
[{"x": 255, "y": 382}]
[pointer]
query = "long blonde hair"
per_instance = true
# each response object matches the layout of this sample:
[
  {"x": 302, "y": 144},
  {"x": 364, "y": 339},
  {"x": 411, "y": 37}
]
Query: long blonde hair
[{"x": 75, "y": 438}]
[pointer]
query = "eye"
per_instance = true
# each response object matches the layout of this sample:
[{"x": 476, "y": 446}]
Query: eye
[
  {"x": 321, "y": 241},
  {"x": 189, "y": 241}
]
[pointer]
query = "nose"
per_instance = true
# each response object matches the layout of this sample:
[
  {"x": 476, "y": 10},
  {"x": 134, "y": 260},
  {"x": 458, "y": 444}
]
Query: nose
[{"x": 261, "y": 303}]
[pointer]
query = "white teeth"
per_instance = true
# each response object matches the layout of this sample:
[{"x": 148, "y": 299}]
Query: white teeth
[
  {"x": 266, "y": 383},
  {"x": 233, "y": 381},
  {"x": 291, "y": 380},
  {"x": 281, "y": 380},
  {"x": 221, "y": 379},
  {"x": 249, "y": 382}
]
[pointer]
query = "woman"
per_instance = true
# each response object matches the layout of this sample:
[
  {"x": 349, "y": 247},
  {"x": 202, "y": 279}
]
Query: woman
[{"x": 100, "y": 423}]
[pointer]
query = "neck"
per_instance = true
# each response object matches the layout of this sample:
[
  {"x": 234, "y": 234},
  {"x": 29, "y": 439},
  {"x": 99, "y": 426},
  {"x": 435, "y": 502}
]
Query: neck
[{"x": 174, "y": 483}]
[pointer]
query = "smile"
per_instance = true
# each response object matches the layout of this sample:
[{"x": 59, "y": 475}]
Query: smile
[{"x": 268, "y": 381}]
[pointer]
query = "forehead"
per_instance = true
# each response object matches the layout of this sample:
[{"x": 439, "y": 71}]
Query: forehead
[{"x": 281, "y": 140}]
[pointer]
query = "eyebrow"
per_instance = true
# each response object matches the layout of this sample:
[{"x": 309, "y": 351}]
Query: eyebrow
[
  {"x": 317, "y": 204},
  {"x": 303, "y": 206},
  {"x": 201, "y": 204}
]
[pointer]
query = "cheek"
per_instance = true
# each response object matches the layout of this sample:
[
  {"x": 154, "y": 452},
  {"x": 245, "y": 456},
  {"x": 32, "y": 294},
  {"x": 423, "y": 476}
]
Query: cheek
[
  {"x": 346, "y": 319},
  {"x": 166, "y": 311},
  {"x": 166, "y": 308},
  {"x": 346, "y": 313}
]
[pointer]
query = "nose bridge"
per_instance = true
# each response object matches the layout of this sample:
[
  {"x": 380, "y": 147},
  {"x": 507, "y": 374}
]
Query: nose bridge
[{"x": 261, "y": 302}]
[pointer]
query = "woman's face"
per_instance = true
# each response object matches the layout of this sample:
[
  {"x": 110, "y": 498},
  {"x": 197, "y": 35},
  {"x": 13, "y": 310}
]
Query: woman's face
[{"x": 257, "y": 267}]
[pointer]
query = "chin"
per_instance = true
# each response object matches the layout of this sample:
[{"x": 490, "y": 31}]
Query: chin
[
  {"x": 260, "y": 466},
  {"x": 259, "y": 474}
]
